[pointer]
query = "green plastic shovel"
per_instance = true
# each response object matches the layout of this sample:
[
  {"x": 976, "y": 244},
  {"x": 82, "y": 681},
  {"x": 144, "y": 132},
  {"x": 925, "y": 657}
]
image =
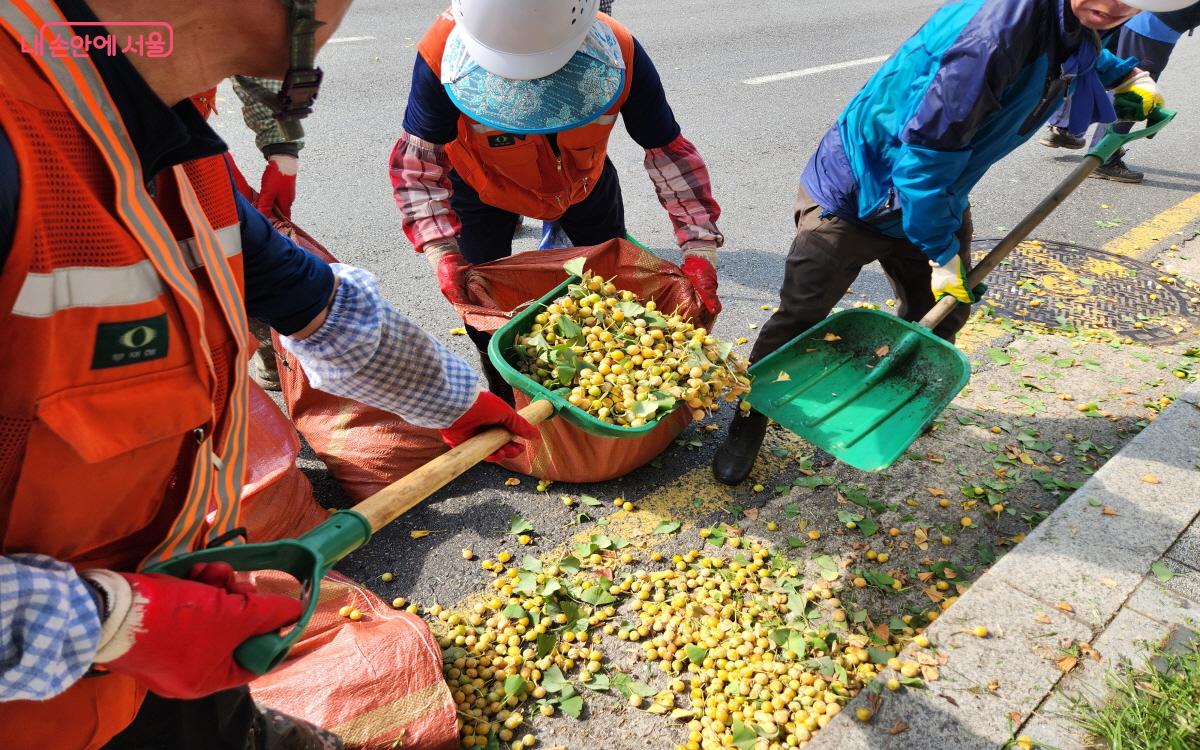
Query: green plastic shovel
[
  {"x": 310, "y": 557},
  {"x": 863, "y": 384}
]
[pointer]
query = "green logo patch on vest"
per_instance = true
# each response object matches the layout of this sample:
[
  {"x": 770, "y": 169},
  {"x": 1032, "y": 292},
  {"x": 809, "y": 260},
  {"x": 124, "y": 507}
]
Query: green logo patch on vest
[
  {"x": 503, "y": 139},
  {"x": 119, "y": 344}
]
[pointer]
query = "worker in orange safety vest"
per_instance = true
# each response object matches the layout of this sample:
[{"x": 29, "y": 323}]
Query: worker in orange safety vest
[
  {"x": 128, "y": 266},
  {"x": 509, "y": 114}
]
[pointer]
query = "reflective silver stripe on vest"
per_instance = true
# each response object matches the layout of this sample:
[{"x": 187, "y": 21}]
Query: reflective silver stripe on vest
[
  {"x": 44, "y": 294},
  {"x": 229, "y": 238}
]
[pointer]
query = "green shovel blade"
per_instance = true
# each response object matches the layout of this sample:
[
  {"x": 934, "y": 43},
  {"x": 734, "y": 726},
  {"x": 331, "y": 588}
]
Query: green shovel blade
[
  {"x": 306, "y": 559},
  {"x": 861, "y": 384}
]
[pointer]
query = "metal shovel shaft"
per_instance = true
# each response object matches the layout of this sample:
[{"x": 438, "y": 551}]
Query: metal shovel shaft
[
  {"x": 1015, "y": 237},
  {"x": 1109, "y": 145}
]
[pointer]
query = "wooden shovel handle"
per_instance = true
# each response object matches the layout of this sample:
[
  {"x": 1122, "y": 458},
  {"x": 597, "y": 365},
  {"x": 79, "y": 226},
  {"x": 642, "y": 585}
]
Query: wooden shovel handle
[{"x": 402, "y": 495}]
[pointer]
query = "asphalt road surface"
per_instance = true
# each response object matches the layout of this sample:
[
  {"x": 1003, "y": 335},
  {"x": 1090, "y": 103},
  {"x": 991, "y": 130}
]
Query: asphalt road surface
[{"x": 756, "y": 139}]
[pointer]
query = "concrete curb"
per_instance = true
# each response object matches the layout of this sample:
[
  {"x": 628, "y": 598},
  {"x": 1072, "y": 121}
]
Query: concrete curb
[{"x": 1075, "y": 574}]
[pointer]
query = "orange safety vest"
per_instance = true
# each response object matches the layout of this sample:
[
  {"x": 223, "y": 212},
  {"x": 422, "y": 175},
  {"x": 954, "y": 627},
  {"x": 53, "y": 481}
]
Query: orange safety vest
[
  {"x": 124, "y": 407},
  {"x": 522, "y": 174}
]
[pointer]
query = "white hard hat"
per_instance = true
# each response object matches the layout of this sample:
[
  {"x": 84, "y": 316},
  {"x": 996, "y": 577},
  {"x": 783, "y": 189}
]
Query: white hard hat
[
  {"x": 524, "y": 39},
  {"x": 1159, "y": 6}
]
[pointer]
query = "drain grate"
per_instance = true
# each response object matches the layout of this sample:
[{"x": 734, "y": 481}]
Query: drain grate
[{"x": 1058, "y": 284}]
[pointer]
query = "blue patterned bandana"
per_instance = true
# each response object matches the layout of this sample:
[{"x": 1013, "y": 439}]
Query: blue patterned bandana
[{"x": 573, "y": 96}]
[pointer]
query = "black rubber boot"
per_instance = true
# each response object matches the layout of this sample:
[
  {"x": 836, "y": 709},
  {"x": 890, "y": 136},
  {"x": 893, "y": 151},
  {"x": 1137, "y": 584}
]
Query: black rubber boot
[{"x": 735, "y": 458}]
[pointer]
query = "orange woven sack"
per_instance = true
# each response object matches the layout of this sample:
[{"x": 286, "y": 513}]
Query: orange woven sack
[
  {"x": 277, "y": 499},
  {"x": 366, "y": 449},
  {"x": 564, "y": 452},
  {"x": 504, "y": 286},
  {"x": 376, "y": 683}
]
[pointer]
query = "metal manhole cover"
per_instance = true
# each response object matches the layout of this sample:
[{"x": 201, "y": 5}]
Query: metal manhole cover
[{"x": 1056, "y": 283}]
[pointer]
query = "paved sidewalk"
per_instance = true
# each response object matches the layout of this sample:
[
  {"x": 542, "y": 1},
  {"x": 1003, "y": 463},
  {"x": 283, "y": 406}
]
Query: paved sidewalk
[{"x": 1068, "y": 604}]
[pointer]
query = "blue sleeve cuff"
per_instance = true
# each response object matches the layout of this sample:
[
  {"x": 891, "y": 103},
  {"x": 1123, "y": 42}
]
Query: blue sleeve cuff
[
  {"x": 1113, "y": 69},
  {"x": 286, "y": 286},
  {"x": 49, "y": 627}
]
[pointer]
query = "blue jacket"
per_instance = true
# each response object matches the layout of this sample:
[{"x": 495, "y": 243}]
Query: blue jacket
[
  {"x": 1165, "y": 27},
  {"x": 973, "y": 84}
]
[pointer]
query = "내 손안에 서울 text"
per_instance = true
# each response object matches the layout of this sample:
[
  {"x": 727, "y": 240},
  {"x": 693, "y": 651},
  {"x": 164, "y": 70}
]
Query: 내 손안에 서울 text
[{"x": 140, "y": 38}]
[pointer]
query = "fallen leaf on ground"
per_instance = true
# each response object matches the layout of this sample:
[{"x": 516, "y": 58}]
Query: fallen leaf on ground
[
  {"x": 783, "y": 377},
  {"x": 512, "y": 482},
  {"x": 1162, "y": 572},
  {"x": 1065, "y": 607},
  {"x": 1042, "y": 618},
  {"x": 1067, "y": 663},
  {"x": 418, "y": 534},
  {"x": 898, "y": 728},
  {"x": 832, "y": 337},
  {"x": 1109, "y": 512},
  {"x": 937, "y": 492},
  {"x": 1109, "y": 582},
  {"x": 1150, "y": 479},
  {"x": 751, "y": 513}
]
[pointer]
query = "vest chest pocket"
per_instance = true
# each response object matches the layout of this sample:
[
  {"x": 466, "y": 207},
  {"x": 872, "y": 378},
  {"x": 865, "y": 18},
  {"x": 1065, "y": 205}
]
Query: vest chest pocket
[
  {"x": 583, "y": 158},
  {"x": 513, "y": 156},
  {"x": 100, "y": 460}
]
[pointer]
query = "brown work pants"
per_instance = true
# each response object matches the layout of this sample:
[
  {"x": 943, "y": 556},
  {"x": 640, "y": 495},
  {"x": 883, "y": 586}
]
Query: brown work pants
[{"x": 826, "y": 257}]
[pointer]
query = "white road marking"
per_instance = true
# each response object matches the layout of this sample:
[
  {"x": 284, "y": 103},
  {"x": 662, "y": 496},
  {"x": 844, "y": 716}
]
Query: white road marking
[
  {"x": 813, "y": 71},
  {"x": 349, "y": 39}
]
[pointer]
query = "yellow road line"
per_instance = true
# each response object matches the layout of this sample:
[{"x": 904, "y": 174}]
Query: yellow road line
[{"x": 1143, "y": 238}]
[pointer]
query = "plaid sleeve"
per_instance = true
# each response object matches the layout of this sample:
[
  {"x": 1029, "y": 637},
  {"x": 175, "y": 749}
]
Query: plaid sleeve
[
  {"x": 681, "y": 180},
  {"x": 259, "y": 118},
  {"x": 369, "y": 352},
  {"x": 49, "y": 627},
  {"x": 420, "y": 180}
]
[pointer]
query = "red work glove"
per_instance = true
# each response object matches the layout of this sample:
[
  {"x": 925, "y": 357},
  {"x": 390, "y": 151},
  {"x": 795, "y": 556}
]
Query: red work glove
[
  {"x": 490, "y": 411},
  {"x": 278, "y": 185},
  {"x": 452, "y": 277},
  {"x": 704, "y": 280},
  {"x": 177, "y": 636}
]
